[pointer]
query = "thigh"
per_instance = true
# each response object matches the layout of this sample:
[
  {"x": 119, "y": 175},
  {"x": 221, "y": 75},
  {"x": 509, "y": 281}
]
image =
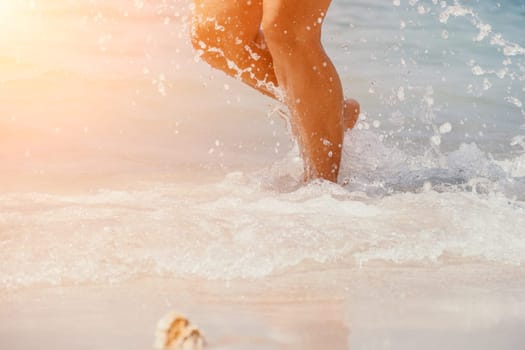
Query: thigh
[{"x": 230, "y": 19}]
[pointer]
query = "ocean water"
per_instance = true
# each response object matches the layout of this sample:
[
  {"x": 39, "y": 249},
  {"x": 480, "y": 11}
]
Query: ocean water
[
  {"x": 124, "y": 156},
  {"x": 126, "y": 159}
]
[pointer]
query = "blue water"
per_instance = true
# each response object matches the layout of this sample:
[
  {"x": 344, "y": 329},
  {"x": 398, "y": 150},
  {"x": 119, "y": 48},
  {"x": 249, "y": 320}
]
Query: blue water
[{"x": 381, "y": 48}]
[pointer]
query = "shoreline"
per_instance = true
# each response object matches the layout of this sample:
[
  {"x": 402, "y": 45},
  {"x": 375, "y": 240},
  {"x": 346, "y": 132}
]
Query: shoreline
[{"x": 382, "y": 307}]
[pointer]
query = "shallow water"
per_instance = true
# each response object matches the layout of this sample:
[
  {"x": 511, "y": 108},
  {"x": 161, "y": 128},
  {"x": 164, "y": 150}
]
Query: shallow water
[{"x": 124, "y": 157}]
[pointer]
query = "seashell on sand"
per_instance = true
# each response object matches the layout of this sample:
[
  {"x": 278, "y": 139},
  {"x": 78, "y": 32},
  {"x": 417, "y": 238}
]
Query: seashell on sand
[{"x": 174, "y": 332}]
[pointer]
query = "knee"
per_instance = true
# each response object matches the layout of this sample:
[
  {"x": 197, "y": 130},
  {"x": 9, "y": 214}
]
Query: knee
[
  {"x": 209, "y": 39},
  {"x": 217, "y": 37},
  {"x": 205, "y": 32}
]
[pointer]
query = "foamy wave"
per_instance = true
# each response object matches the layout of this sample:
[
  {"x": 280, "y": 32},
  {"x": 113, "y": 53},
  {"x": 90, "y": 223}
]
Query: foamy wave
[
  {"x": 372, "y": 167},
  {"x": 249, "y": 226}
]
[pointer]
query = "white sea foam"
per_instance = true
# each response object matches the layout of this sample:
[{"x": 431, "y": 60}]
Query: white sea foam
[{"x": 251, "y": 225}]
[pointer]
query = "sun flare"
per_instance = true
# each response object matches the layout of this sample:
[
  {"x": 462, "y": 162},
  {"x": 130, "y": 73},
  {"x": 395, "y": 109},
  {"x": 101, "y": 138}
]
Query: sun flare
[{"x": 7, "y": 11}]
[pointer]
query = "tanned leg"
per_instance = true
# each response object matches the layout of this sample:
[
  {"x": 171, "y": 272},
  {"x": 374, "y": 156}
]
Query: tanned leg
[
  {"x": 351, "y": 113},
  {"x": 228, "y": 35},
  {"x": 312, "y": 87}
]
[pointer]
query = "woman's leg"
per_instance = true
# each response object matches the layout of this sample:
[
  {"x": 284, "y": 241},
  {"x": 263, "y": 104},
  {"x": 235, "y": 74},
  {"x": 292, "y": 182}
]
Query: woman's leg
[
  {"x": 312, "y": 87},
  {"x": 228, "y": 35},
  {"x": 351, "y": 112}
]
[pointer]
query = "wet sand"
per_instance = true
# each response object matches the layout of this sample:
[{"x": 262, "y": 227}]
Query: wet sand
[{"x": 467, "y": 306}]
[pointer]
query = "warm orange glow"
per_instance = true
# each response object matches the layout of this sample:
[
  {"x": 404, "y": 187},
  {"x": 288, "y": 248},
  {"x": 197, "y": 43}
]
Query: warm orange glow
[
  {"x": 12, "y": 12},
  {"x": 7, "y": 11},
  {"x": 74, "y": 73}
]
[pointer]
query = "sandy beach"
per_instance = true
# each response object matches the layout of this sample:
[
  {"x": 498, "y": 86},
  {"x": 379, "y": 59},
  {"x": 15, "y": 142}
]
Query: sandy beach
[{"x": 312, "y": 307}]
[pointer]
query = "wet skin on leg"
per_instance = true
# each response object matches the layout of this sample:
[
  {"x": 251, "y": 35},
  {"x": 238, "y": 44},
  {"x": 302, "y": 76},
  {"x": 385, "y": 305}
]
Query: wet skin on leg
[
  {"x": 313, "y": 90},
  {"x": 229, "y": 37}
]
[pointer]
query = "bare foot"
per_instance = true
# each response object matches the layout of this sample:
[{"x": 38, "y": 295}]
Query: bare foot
[{"x": 350, "y": 113}]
